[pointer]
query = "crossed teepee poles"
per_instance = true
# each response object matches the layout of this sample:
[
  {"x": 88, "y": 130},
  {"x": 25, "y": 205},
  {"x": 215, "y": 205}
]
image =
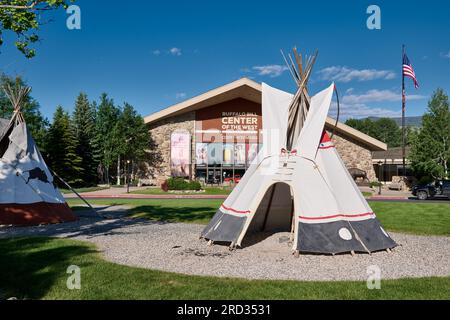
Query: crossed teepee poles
[{"x": 299, "y": 107}]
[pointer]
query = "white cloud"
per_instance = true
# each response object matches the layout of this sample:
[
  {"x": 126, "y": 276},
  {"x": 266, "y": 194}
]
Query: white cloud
[
  {"x": 345, "y": 74},
  {"x": 377, "y": 96},
  {"x": 349, "y": 90},
  {"x": 348, "y": 111},
  {"x": 358, "y": 105},
  {"x": 175, "y": 51},
  {"x": 447, "y": 55},
  {"x": 180, "y": 95},
  {"x": 273, "y": 70}
]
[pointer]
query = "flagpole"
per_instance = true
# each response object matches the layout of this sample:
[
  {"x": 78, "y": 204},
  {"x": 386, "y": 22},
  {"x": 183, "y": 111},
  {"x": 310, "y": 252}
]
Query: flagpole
[{"x": 403, "y": 114}]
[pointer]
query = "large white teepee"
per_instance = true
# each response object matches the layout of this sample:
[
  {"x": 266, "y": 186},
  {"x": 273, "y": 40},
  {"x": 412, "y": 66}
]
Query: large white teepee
[
  {"x": 27, "y": 193},
  {"x": 298, "y": 182}
]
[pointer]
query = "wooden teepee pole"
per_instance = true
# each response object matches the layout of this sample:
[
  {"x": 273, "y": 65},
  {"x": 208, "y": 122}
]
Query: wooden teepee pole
[{"x": 299, "y": 107}]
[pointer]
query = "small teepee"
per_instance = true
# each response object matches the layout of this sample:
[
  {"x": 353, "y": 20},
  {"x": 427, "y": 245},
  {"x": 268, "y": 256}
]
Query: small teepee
[
  {"x": 298, "y": 182},
  {"x": 27, "y": 193}
]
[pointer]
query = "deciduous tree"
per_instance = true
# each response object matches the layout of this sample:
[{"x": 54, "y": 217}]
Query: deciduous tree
[
  {"x": 105, "y": 134},
  {"x": 23, "y": 17},
  {"x": 383, "y": 129},
  {"x": 430, "y": 153}
]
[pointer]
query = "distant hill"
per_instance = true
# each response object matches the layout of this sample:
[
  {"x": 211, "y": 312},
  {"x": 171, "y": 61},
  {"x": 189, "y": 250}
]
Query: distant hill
[{"x": 410, "y": 121}]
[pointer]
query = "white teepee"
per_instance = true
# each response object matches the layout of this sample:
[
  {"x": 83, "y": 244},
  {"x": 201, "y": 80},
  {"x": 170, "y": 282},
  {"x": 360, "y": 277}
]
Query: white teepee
[
  {"x": 298, "y": 182},
  {"x": 27, "y": 193}
]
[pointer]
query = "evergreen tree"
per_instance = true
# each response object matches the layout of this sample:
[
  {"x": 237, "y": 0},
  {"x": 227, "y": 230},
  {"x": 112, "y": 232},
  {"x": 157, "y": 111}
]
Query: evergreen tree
[
  {"x": 430, "y": 154},
  {"x": 105, "y": 134},
  {"x": 84, "y": 124},
  {"x": 36, "y": 123},
  {"x": 62, "y": 149}
]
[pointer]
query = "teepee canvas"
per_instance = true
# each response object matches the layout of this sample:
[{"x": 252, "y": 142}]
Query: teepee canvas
[
  {"x": 299, "y": 183},
  {"x": 27, "y": 193}
]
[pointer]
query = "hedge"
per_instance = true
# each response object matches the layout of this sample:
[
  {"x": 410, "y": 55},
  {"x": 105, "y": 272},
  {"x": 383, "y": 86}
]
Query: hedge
[{"x": 181, "y": 184}]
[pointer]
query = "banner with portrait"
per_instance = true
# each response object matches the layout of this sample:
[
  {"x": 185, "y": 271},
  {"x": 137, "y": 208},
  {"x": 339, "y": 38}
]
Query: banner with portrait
[
  {"x": 201, "y": 154},
  {"x": 228, "y": 154},
  {"x": 252, "y": 152},
  {"x": 180, "y": 154},
  {"x": 215, "y": 154},
  {"x": 239, "y": 154}
]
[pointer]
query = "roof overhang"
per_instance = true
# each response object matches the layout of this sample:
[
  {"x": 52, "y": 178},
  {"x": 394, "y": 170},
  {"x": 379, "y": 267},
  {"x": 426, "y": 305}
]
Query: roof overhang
[{"x": 251, "y": 90}]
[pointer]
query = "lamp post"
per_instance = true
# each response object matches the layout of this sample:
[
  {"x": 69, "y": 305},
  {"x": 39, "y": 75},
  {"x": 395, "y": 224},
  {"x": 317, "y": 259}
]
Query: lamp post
[
  {"x": 380, "y": 172},
  {"x": 127, "y": 176}
]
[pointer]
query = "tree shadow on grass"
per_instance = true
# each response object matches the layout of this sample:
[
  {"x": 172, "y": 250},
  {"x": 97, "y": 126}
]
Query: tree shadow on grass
[
  {"x": 114, "y": 221},
  {"x": 173, "y": 214},
  {"x": 29, "y": 267}
]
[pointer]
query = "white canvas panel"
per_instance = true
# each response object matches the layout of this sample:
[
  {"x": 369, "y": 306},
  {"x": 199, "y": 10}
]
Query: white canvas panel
[
  {"x": 346, "y": 192},
  {"x": 313, "y": 198},
  {"x": 311, "y": 133},
  {"x": 275, "y": 112}
]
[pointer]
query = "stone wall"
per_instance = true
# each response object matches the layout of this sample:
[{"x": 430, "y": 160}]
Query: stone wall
[
  {"x": 354, "y": 154},
  {"x": 161, "y": 132}
]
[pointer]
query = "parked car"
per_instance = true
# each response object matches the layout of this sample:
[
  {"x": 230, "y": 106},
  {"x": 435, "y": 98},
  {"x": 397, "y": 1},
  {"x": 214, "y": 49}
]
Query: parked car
[
  {"x": 440, "y": 188},
  {"x": 236, "y": 179}
]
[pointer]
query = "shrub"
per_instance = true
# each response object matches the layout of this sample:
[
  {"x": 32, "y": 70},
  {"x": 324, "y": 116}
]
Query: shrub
[
  {"x": 195, "y": 185},
  {"x": 375, "y": 184},
  {"x": 425, "y": 180},
  {"x": 181, "y": 184}
]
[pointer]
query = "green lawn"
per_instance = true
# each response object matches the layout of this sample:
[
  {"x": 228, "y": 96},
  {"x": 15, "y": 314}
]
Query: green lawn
[
  {"x": 208, "y": 191},
  {"x": 367, "y": 194},
  {"x": 35, "y": 268},
  {"x": 415, "y": 218},
  {"x": 82, "y": 190}
]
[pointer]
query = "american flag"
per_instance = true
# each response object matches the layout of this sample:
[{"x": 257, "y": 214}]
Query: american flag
[{"x": 408, "y": 71}]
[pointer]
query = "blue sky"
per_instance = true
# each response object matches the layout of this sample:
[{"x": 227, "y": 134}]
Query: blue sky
[{"x": 154, "y": 54}]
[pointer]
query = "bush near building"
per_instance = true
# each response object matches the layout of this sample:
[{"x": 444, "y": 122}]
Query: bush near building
[{"x": 179, "y": 184}]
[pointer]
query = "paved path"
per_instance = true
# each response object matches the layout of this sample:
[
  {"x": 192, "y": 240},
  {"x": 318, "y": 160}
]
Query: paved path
[{"x": 121, "y": 193}]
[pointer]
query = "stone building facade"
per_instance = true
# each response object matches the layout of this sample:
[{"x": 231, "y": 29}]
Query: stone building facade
[
  {"x": 355, "y": 154},
  {"x": 354, "y": 147},
  {"x": 161, "y": 132}
]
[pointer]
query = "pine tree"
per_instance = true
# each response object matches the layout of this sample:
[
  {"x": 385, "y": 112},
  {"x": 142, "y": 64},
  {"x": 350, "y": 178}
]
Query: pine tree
[
  {"x": 84, "y": 125},
  {"x": 61, "y": 147},
  {"x": 430, "y": 154}
]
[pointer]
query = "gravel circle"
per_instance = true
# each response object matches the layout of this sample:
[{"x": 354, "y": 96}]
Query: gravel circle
[{"x": 176, "y": 247}]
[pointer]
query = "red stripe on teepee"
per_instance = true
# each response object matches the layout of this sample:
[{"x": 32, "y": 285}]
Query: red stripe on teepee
[
  {"x": 339, "y": 216},
  {"x": 235, "y": 211},
  {"x": 329, "y": 147},
  {"x": 35, "y": 214}
]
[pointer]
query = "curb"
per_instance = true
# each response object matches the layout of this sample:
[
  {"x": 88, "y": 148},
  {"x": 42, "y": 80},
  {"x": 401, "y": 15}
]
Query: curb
[
  {"x": 387, "y": 198},
  {"x": 121, "y": 196}
]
